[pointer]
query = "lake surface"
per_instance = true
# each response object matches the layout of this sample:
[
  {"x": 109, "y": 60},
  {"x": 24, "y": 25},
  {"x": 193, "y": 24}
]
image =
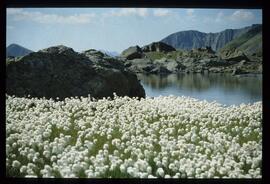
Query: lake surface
[{"x": 222, "y": 88}]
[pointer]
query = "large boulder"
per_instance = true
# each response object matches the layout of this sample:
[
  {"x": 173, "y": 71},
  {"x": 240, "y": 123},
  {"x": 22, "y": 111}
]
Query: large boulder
[
  {"x": 158, "y": 47},
  {"x": 132, "y": 53},
  {"x": 61, "y": 72}
]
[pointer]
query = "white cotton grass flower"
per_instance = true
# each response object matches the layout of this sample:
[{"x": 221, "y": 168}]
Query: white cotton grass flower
[
  {"x": 160, "y": 172},
  {"x": 149, "y": 169},
  {"x": 23, "y": 169},
  {"x": 146, "y": 138},
  {"x": 151, "y": 176},
  {"x": 16, "y": 164},
  {"x": 31, "y": 176}
]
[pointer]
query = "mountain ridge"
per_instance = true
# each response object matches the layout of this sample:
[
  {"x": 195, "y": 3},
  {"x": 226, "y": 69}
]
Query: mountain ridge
[{"x": 190, "y": 39}]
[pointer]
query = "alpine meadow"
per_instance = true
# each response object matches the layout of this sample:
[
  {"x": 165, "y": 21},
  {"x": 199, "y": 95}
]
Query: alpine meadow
[{"x": 134, "y": 93}]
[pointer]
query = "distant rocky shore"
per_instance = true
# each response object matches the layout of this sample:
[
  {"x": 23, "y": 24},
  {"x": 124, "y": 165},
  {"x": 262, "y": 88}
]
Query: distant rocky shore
[{"x": 160, "y": 58}]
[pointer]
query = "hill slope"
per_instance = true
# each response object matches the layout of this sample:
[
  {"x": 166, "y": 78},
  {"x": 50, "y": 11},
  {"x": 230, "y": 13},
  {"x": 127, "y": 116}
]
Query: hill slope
[{"x": 249, "y": 42}]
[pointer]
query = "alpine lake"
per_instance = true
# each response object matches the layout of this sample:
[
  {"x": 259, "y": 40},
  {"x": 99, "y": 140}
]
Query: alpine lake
[{"x": 225, "y": 89}]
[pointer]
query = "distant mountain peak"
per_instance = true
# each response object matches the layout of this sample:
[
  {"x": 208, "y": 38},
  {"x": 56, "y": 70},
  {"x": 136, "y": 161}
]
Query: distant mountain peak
[
  {"x": 110, "y": 53},
  {"x": 14, "y": 45},
  {"x": 16, "y": 50}
]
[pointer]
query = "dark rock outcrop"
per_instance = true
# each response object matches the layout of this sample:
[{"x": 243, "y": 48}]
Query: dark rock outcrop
[
  {"x": 158, "y": 47},
  {"x": 132, "y": 53},
  {"x": 61, "y": 72}
]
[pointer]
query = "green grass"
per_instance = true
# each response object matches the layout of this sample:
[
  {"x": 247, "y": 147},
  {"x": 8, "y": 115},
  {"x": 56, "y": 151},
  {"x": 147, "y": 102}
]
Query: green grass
[{"x": 160, "y": 55}]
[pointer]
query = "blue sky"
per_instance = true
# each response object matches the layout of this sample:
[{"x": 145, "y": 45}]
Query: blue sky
[{"x": 115, "y": 29}]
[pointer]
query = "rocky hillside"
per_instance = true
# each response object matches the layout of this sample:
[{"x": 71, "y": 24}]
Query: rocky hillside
[
  {"x": 15, "y": 50},
  {"x": 61, "y": 72},
  {"x": 195, "y": 39},
  {"x": 249, "y": 43},
  {"x": 201, "y": 60}
]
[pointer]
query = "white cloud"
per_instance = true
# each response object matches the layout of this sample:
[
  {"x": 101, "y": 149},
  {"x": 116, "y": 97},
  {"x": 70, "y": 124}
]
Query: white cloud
[
  {"x": 20, "y": 14},
  {"x": 241, "y": 15},
  {"x": 219, "y": 17},
  {"x": 161, "y": 12},
  {"x": 190, "y": 12},
  {"x": 142, "y": 12},
  {"x": 14, "y": 11}
]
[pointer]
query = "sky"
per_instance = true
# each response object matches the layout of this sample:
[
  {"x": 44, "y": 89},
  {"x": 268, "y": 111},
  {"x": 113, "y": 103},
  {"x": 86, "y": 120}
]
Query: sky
[{"x": 115, "y": 29}]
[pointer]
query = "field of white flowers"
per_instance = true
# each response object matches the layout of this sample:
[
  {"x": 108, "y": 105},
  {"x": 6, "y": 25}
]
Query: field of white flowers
[{"x": 170, "y": 137}]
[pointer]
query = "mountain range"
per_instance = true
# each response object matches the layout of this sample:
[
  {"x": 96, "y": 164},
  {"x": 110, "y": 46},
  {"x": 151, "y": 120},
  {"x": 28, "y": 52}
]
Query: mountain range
[
  {"x": 16, "y": 50},
  {"x": 195, "y": 39},
  {"x": 247, "y": 39}
]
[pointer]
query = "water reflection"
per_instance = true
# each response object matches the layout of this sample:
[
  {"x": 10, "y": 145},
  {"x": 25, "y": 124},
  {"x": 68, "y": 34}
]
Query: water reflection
[{"x": 224, "y": 87}]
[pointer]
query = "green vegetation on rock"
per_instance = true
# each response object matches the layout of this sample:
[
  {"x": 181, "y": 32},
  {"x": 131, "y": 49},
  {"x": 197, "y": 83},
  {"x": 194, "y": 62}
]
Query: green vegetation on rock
[
  {"x": 249, "y": 42},
  {"x": 160, "y": 55}
]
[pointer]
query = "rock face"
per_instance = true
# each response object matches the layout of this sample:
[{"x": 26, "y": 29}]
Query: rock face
[
  {"x": 132, "y": 53},
  {"x": 61, "y": 72},
  {"x": 158, "y": 47}
]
